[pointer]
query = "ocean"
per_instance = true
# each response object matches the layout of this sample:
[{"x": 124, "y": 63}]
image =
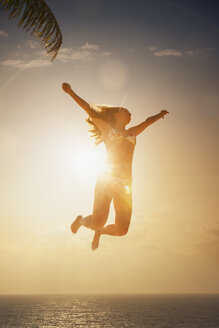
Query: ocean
[{"x": 109, "y": 311}]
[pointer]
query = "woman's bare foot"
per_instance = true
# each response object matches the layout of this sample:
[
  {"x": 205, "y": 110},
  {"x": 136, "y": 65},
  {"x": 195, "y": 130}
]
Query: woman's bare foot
[
  {"x": 95, "y": 242},
  {"x": 76, "y": 224}
]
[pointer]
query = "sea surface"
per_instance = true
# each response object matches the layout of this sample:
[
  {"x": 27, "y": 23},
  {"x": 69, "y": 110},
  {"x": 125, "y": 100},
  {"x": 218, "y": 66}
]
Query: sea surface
[{"x": 109, "y": 311}]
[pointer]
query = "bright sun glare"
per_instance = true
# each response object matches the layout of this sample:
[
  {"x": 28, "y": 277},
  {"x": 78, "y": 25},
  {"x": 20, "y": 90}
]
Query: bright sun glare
[{"x": 89, "y": 162}]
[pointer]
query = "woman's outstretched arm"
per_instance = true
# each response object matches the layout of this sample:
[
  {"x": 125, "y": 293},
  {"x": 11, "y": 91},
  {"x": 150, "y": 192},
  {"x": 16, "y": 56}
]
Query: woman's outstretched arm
[
  {"x": 81, "y": 102},
  {"x": 101, "y": 125},
  {"x": 142, "y": 126}
]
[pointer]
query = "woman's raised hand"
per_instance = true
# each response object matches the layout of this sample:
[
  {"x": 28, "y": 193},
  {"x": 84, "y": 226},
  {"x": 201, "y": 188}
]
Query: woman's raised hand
[
  {"x": 163, "y": 113},
  {"x": 66, "y": 87}
]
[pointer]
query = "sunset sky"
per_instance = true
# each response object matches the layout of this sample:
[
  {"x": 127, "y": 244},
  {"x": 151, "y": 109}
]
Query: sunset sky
[{"x": 145, "y": 55}]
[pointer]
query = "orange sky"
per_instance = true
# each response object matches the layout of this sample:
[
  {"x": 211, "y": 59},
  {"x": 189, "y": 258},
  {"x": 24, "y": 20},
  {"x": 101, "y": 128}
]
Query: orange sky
[{"x": 172, "y": 244}]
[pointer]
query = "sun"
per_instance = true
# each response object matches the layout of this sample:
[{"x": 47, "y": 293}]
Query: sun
[
  {"x": 84, "y": 160},
  {"x": 89, "y": 162}
]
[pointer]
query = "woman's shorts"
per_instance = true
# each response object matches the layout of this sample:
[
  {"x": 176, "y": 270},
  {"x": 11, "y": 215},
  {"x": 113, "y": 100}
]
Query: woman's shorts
[{"x": 117, "y": 184}]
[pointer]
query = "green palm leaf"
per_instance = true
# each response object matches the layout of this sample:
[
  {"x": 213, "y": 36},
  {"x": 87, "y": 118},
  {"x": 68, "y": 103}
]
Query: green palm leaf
[{"x": 35, "y": 16}]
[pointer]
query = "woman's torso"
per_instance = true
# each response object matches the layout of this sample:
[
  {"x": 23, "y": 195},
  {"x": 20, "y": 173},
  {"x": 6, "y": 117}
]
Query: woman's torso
[{"x": 120, "y": 149}]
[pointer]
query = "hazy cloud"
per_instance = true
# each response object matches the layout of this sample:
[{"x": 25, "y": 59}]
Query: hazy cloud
[
  {"x": 37, "y": 63},
  {"x": 17, "y": 63},
  {"x": 190, "y": 52},
  {"x": 165, "y": 52},
  {"x": 168, "y": 52},
  {"x": 3, "y": 34},
  {"x": 90, "y": 46},
  {"x": 177, "y": 53},
  {"x": 86, "y": 52},
  {"x": 152, "y": 48},
  {"x": 12, "y": 62},
  {"x": 64, "y": 50},
  {"x": 31, "y": 44},
  {"x": 203, "y": 51}
]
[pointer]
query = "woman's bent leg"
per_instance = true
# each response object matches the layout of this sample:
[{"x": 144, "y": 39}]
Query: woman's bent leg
[
  {"x": 102, "y": 199},
  {"x": 123, "y": 211}
]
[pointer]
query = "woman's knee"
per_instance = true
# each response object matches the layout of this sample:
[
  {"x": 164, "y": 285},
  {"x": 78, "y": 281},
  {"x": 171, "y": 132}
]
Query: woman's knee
[
  {"x": 122, "y": 222},
  {"x": 98, "y": 221},
  {"x": 122, "y": 229}
]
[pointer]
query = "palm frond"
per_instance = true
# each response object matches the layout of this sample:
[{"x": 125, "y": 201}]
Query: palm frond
[{"x": 36, "y": 16}]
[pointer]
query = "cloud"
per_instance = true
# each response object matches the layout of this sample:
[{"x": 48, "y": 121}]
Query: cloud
[
  {"x": 152, "y": 48},
  {"x": 12, "y": 62},
  {"x": 17, "y": 63},
  {"x": 165, "y": 52},
  {"x": 190, "y": 52},
  {"x": 168, "y": 52},
  {"x": 90, "y": 46},
  {"x": 105, "y": 53},
  {"x": 203, "y": 51},
  {"x": 64, "y": 50},
  {"x": 81, "y": 55},
  {"x": 37, "y": 63},
  {"x": 177, "y": 53},
  {"x": 31, "y": 44},
  {"x": 3, "y": 34},
  {"x": 86, "y": 52}
]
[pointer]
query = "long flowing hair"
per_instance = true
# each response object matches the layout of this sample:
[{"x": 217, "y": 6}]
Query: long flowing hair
[{"x": 104, "y": 112}]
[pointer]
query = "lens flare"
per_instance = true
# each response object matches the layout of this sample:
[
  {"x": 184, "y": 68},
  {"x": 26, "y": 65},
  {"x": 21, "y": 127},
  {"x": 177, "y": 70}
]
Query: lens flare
[{"x": 89, "y": 162}]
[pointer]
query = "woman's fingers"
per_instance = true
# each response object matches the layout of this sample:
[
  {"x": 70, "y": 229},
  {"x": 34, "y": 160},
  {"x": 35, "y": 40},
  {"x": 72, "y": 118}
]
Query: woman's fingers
[
  {"x": 164, "y": 112},
  {"x": 66, "y": 87}
]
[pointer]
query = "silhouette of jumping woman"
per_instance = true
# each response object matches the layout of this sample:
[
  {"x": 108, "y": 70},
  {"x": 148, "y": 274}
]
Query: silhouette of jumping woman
[{"x": 108, "y": 125}]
